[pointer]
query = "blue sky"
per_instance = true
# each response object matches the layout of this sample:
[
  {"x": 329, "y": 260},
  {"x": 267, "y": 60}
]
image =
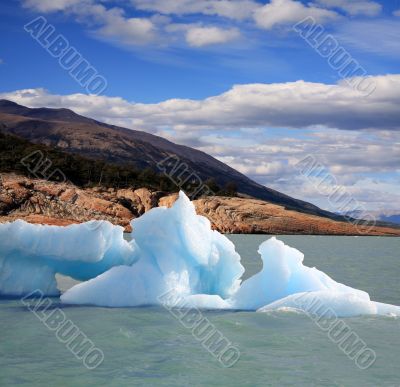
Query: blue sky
[{"x": 172, "y": 65}]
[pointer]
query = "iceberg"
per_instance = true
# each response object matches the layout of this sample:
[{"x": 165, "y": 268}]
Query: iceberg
[
  {"x": 283, "y": 274},
  {"x": 178, "y": 251},
  {"x": 31, "y": 255},
  {"x": 173, "y": 255}
]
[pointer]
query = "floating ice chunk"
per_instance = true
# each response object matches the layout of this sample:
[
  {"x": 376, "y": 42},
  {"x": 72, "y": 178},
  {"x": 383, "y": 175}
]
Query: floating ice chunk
[
  {"x": 325, "y": 303},
  {"x": 31, "y": 255},
  {"x": 173, "y": 299},
  {"x": 387, "y": 309},
  {"x": 206, "y": 301},
  {"x": 330, "y": 304},
  {"x": 177, "y": 250},
  {"x": 283, "y": 274}
]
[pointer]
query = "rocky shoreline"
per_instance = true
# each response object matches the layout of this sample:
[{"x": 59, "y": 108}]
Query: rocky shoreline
[{"x": 43, "y": 202}]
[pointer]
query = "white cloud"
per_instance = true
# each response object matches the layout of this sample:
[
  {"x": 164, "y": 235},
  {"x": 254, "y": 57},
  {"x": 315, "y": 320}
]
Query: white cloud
[
  {"x": 108, "y": 23},
  {"x": 379, "y": 36},
  {"x": 352, "y": 157},
  {"x": 113, "y": 25},
  {"x": 51, "y": 5},
  {"x": 233, "y": 9},
  {"x": 203, "y": 36},
  {"x": 256, "y": 169},
  {"x": 287, "y": 105},
  {"x": 129, "y": 31},
  {"x": 1, "y": 61},
  {"x": 174, "y": 22},
  {"x": 354, "y": 7},
  {"x": 284, "y": 12},
  {"x": 397, "y": 13}
]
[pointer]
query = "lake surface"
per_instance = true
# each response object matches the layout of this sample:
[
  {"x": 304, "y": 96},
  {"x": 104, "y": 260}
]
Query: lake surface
[{"x": 149, "y": 347}]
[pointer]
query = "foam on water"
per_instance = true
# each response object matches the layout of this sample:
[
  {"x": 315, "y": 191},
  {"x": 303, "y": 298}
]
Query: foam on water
[{"x": 173, "y": 251}]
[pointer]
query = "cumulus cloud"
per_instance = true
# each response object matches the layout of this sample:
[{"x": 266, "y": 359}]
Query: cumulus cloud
[
  {"x": 284, "y": 12},
  {"x": 354, "y": 7},
  {"x": 115, "y": 26},
  {"x": 51, "y": 5},
  {"x": 354, "y": 159},
  {"x": 203, "y": 36},
  {"x": 108, "y": 23},
  {"x": 173, "y": 22},
  {"x": 287, "y": 105}
]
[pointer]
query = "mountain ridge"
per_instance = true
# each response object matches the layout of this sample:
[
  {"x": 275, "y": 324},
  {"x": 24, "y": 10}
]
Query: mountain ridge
[
  {"x": 73, "y": 133},
  {"x": 387, "y": 216}
]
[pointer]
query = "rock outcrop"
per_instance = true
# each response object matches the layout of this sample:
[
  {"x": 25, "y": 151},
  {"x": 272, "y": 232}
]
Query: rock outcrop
[
  {"x": 40, "y": 201},
  {"x": 251, "y": 216}
]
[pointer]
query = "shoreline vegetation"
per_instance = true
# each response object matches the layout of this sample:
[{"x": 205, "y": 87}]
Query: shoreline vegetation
[{"x": 86, "y": 172}]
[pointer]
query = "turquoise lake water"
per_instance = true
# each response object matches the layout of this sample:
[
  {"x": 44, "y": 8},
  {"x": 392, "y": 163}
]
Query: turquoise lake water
[{"x": 149, "y": 347}]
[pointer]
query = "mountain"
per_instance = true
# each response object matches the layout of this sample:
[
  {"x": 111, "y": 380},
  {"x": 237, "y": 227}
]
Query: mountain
[
  {"x": 395, "y": 218},
  {"x": 9, "y": 107},
  {"x": 382, "y": 216},
  {"x": 22, "y": 157},
  {"x": 70, "y": 132}
]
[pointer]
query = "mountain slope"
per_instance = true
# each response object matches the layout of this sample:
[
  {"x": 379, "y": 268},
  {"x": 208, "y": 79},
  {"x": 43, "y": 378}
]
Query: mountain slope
[{"x": 64, "y": 129}]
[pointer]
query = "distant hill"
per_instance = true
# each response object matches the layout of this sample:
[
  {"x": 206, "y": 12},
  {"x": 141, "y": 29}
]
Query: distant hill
[
  {"x": 382, "y": 216},
  {"x": 390, "y": 218},
  {"x": 69, "y": 132}
]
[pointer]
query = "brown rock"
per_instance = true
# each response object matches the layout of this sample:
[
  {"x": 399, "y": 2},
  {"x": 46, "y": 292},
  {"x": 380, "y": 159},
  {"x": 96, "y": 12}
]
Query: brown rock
[
  {"x": 40, "y": 201},
  {"x": 250, "y": 216}
]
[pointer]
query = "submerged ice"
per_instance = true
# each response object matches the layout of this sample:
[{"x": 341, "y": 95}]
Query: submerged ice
[{"x": 172, "y": 251}]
